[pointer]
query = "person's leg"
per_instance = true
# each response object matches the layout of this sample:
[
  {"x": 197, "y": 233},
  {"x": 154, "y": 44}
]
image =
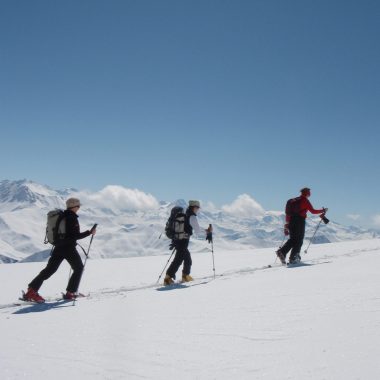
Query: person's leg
[
  {"x": 176, "y": 263},
  {"x": 287, "y": 246},
  {"x": 292, "y": 237},
  {"x": 187, "y": 262},
  {"x": 76, "y": 264},
  {"x": 299, "y": 234},
  {"x": 51, "y": 267}
]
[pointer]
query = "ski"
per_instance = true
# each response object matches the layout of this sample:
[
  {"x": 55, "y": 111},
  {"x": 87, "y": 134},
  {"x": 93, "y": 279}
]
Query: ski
[
  {"x": 184, "y": 284},
  {"x": 79, "y": 295},
  {"x": 24, "y": 299}
]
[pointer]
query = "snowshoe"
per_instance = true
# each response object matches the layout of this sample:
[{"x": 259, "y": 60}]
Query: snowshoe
[
  {"x": 69, "y": 296},
  {"x": 73, "y": 296}
]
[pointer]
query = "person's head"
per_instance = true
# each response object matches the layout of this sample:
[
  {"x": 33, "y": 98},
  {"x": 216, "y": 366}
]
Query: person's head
[
  {"x": 306, "y": 192},
  {"x": 195, "y": 206},
  {"x": 73, "y": 204}
]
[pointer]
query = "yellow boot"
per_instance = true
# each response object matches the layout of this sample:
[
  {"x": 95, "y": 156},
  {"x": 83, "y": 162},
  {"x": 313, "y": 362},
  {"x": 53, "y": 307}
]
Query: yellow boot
[
  {"x": 186, "y": 278},
  {"x": 168, "y": 280}
]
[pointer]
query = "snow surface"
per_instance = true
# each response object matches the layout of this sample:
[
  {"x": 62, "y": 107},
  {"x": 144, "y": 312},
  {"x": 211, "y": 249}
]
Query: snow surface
[{"x": 318, "y": 321}]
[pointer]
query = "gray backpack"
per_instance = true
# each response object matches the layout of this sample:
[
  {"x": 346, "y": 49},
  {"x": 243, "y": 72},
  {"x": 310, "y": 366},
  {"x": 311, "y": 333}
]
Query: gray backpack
[
  {"x": 55, "y": 227},
  {"x": 175, "y": 226}
]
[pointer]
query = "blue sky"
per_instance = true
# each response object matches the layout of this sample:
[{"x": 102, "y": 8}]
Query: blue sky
[{"x": 196, "y": 99}]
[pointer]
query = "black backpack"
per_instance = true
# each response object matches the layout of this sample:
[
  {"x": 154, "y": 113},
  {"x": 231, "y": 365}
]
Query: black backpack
[
  {"x": 293, "y": 206},
  {"x": 175, "y": 226}
]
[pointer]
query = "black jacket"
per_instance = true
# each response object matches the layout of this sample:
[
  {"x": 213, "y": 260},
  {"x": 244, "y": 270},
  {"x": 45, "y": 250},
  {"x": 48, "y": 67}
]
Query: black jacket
[{"x": 73, "y": 229}]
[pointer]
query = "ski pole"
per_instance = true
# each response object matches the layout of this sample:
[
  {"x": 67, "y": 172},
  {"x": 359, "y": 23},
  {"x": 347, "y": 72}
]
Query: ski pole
[
  {"x": 159, "y": 277},
  {"x": 312, "y": 238},
  {"x": 85, "y": 260},
  {"x": 213, "y": 261},
  {"x": 212, "y": 251}
]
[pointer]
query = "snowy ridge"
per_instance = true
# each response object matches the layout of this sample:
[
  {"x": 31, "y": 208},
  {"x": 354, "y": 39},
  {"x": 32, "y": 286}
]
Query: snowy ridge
[{"x": 131, "y": 222}]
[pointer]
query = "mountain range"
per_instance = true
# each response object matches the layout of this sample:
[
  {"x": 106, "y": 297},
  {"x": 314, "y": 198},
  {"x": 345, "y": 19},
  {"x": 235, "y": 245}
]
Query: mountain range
[{"x": 131, "y": 223}]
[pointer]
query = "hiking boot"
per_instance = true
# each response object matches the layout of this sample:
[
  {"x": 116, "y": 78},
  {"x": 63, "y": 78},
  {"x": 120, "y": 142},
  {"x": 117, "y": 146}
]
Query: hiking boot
[
  {"x": 281, "y": 256},
  {"x": 32, "y": 295},
  {"x": 186, "y": 278},
  {"x": 168, "y": 280},
  {"x": 69, "y": 296},
  {"x": 295, "y": 260}
]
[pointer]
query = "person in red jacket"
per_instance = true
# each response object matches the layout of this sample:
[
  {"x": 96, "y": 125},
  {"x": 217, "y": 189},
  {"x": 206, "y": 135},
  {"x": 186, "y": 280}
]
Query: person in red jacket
[{"x": 295, "y": 221}]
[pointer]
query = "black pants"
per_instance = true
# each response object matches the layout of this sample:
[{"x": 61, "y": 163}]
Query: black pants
[
  {"x": 59, "y": 254},
  {"x": 182, "y": 254},
  {"x": 296, "y": 236}
]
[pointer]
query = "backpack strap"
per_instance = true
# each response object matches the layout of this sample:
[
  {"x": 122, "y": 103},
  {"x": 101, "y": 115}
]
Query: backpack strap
[{"x": 59, "y": 220}]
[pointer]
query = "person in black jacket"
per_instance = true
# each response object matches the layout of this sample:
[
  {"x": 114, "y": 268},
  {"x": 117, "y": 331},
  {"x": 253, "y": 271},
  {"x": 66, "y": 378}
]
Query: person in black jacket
[{"x": 65, "y": 250}]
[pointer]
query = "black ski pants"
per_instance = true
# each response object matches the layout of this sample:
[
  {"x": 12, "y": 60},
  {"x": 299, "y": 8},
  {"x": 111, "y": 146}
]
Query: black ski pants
[
  {"x": 182, "y": 254},
  {"x": 71, "y": 255},
  {"x": 296, "y": 236}
]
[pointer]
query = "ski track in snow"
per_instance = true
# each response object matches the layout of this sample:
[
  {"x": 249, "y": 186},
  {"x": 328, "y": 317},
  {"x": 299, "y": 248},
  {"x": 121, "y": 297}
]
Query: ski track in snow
[{"x": 121, "y": 291}]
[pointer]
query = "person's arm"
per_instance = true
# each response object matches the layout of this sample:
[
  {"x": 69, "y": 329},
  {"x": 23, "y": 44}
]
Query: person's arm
[
  {"x": 197, "y": 230},
  {"x": 310, "y": 208},
  {"x": 73, "y": 229}
]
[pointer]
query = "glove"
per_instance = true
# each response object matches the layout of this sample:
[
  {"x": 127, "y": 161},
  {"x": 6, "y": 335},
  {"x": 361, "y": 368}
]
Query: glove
[
  {"x": 93, "y": 229},
  {"x": 324, "y": 219},
  {"x": 286, "y": 229},
  {"x": 325, "y": 209},
  {"x": 209, "y": 237}
]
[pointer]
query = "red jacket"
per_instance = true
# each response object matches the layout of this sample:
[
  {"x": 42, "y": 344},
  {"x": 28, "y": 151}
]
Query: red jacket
[{"x": 305, "y": 206}]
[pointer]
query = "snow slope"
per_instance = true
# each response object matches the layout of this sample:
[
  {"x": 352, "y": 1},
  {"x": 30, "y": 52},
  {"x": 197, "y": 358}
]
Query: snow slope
[{"x": 318, "y": 321}]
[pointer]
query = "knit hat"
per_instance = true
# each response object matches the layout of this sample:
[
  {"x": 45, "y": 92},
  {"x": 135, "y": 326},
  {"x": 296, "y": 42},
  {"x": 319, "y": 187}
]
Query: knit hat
[
  {"x": 305, "y": 191},
  {"x": 73, "y": 202},
  {"x": 194, "y": 204}
]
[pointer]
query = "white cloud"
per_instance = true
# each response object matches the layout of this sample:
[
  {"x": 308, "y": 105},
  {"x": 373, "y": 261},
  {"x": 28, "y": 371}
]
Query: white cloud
[
  {"x": 209, "y": 206},
  {"x": 244, "y": 206},
  {"x": 376, "y": 220},
  {"x": 119, "y": 198},
  {"x": 353, "y": 216}
]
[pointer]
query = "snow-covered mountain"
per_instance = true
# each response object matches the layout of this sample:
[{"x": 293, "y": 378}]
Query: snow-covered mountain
[{"x": 131, "y": 222}]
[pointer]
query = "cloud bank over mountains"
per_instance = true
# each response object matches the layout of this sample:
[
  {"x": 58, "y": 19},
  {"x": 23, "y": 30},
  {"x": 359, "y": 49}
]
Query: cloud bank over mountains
[
  {"x": 244, "y": 206},
  {"x": 119, "y": 198}
]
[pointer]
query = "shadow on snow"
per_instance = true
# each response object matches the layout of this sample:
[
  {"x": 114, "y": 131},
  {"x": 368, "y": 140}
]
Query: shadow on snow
[
  {"x": 40, "y": 307},
  {"x": 180, "y": 286}
]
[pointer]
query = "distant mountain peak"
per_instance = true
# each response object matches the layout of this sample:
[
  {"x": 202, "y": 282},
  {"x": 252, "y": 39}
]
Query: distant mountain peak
[{"x": 27, "y": 192}]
